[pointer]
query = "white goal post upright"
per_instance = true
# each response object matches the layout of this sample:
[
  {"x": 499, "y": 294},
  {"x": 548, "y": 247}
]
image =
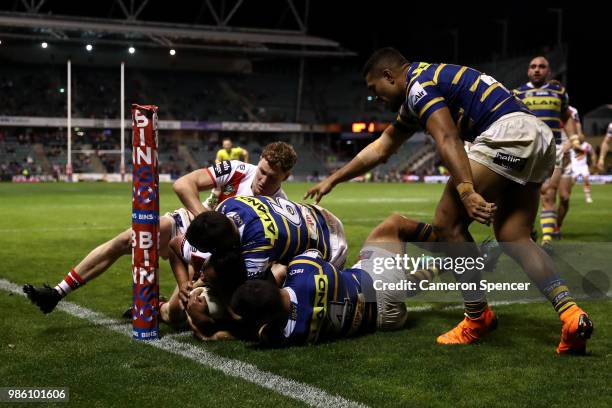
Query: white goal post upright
[{"x": 69, "y": 123}]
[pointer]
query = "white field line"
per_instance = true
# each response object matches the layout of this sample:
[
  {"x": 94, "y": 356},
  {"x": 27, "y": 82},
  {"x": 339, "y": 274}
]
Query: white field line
[
  {"x": 59, "y": 229},
  {"x": 459, "y": 305},
  {"x": 350, "y": 200},
  {"x": 308, "y": 394}
]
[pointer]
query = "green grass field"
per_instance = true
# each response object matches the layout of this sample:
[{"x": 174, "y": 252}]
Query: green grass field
[{"x": 45, "y": 229}]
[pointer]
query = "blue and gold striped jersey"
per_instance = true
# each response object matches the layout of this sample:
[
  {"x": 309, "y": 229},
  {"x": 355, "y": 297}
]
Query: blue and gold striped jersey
[
  {"x": 275, "y": 230},
  {"x": 475, "y": 100},
  {"x": 547, "y": 102},
  {"x": 326, "y": 303}
]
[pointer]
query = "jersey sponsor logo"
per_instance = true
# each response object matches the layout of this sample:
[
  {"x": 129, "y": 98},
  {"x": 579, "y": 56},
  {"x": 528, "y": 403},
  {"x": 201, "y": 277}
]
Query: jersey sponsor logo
[
  {"x": 543, "y": 101},
  {"x": 319, "y": 309},
  {"x": 417, "y": 92},
  {"x": 293, "y": 313},
  {"x": 223, "y": 168},
  {"x": 296, "y": 271},
  {"x": 263, "y": 213},
  {"x": 509, "y": 161}
]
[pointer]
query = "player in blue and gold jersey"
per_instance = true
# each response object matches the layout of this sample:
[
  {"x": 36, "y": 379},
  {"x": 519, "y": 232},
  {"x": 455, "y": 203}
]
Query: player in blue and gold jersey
[
  {"x": 548, "y": 100},
  {"x": 498, "y": 181},
  {"x": 269, "y": 230},
  {"x": 317, "y": 302},
  {"x": 276, "y": 230}
]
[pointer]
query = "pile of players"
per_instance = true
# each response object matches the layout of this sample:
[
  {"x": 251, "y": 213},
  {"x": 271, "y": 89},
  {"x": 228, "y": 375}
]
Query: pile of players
[{"x": 260, "y": 267}]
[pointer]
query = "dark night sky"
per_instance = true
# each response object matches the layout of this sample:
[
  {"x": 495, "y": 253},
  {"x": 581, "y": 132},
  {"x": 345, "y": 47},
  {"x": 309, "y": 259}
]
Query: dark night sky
[
  {"x": 421, "y": 30},
  {"x": 423, "y": 33}
]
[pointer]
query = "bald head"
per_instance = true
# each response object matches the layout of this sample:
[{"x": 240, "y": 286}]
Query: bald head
[{"x": 538, "y": 71}]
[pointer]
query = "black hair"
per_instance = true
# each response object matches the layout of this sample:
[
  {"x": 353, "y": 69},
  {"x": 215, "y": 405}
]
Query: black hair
[
  {"x": 213, "y": 232},
  {"x": 384, "y": 58},
  {"x": 262, "y": 316},
  {"x": 230, "y": 269}
]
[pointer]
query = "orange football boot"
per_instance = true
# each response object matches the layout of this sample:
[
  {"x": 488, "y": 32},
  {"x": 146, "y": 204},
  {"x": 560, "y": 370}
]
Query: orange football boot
[
  {"x": 577, "y": 329},
  {"x": 469, "y": 330}
]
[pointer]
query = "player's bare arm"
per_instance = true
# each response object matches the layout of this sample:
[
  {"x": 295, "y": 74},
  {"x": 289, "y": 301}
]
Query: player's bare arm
[
  {"x": 279, "y": 271},
  {"x": 603, "y": 152},
  {"x": 571, "y": 128},
  {"x": 450, "y": 148},
  {"x": 188, "y": 189},
  {"x": 179, "y": 268},
  {"x": 593, "y": 158},
  {"x": 372, "y": 155}
]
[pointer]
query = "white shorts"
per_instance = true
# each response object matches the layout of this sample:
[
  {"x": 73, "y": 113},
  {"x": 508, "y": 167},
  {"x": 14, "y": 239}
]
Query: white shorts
[
  {"x": 580, "y": 170},
  {"x": 180, "y": 218},
  {"x": 517, "y": 146},
  {"x": 337, "y": 239},
  {"x": 390, "y": 304}
]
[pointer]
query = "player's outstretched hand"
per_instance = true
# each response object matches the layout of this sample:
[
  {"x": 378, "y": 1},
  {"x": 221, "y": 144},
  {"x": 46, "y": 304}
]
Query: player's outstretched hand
[
  {"x": 318, "y": 191},
  {"x": 478, "y": 209}
]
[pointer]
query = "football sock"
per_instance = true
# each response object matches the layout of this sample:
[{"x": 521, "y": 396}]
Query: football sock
[
  {"x": 71, "y": 281},
  {"x": 587, "y": 193},
  {"x": 428, "y": 274},
  {"x": 548, "y": 221},
  {"x": 474, "y": 310},
  {"x": 557, "y": 292},
  {"x": 425, "y": 233}
]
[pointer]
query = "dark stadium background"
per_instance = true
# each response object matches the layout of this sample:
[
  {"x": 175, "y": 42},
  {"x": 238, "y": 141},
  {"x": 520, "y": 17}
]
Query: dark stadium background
[
  {"x": 422, "y": 30},
  {"x": 498, "y": 39}
]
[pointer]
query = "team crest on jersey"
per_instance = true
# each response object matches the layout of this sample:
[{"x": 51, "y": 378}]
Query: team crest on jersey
[
  {"x": 223, "y": 168},
  {"x": 228, "y": 189}
]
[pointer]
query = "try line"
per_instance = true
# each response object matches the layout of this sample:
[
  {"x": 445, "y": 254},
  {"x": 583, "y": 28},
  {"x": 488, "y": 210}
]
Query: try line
[{"x": 308, "y": 394}]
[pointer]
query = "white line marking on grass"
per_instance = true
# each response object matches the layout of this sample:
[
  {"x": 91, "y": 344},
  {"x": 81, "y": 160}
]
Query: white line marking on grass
[
  {"x": 428, "y": 308},
  {"x": 58, "y": 229},
  {"x": 382, "y": 200},
  {"x": 290, "y": 388},
  {"x": 346, "y": 220}
]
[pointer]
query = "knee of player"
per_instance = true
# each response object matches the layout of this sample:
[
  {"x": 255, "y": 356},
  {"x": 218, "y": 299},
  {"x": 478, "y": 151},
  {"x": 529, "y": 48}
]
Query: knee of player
[
  {"x": 386, "y": 229},
  {"x": 395, "y": 219}
]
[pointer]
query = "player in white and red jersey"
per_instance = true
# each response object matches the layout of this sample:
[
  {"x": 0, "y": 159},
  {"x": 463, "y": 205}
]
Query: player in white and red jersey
[
  {"x": 580, "y": 166},
  {"x": 229, "y": 177},
  {"x": 569, "y": 144}
]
